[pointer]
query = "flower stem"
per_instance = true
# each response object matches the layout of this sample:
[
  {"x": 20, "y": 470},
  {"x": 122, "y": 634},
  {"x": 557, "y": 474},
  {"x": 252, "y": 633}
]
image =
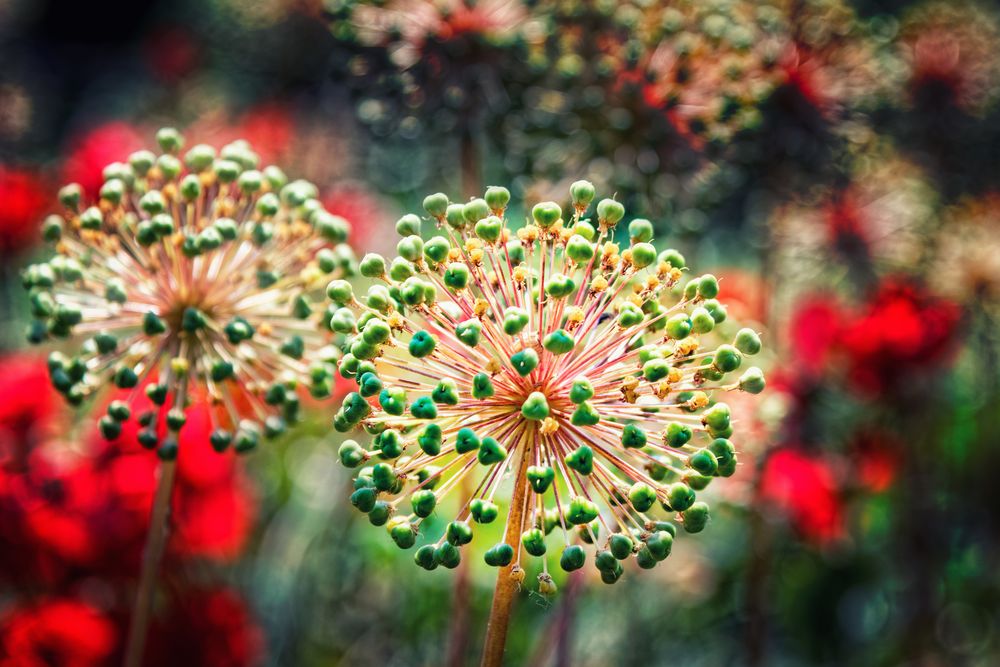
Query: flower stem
[
  {"x": 507, "y": 584},
  {"x": 156, "y": 541}
]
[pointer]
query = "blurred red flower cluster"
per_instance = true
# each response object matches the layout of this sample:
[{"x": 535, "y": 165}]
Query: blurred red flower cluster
[
  {"x": 876, "y": 350},
  {"x": 69, "y": 516}
]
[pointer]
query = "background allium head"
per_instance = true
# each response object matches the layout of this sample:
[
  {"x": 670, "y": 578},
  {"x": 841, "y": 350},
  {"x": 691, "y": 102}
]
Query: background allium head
[
  {"x": 193, "y": 276},
  {"x": 590, "y": 374}
]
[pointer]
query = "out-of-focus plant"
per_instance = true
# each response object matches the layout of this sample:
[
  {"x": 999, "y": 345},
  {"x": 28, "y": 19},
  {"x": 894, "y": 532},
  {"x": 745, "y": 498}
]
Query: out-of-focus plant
[
  {"x": 193, "y": 282},
  {"x": 551, "y": 355}
]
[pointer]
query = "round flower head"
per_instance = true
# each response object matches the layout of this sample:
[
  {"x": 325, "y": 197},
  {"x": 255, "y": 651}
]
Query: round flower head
[
  {"x": 193, "y": 275},
  {"x": 554, "y": 356}
]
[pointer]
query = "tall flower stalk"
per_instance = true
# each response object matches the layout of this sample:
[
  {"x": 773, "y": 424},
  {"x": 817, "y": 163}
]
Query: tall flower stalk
[
  {"x": 194, "y": 278},
  {"x": 550, "y": 355}
]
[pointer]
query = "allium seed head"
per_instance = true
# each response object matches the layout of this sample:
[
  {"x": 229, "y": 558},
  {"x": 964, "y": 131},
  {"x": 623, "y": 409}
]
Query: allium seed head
[
  {"x": 194, "y": 275},
  {"x": 578, "y": 367}
]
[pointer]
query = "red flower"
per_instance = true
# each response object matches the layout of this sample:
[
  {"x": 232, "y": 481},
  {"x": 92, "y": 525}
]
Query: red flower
[
  {"x": 876, "y": 457},
  {"x": 27, "y": 404},
  {"x": 92, "y": 151},
  {"x": 23, "y": 200},
  {"x": 58, "y": 632},
  {"x": 213, "y": 501},
  {"x": 804, "y": 488},
  {"x": 171, "y": 52},
  {"x": 903, "y": 329},
  {"x": 814, "y": 332},
  {"x": 207, "y": 628}
]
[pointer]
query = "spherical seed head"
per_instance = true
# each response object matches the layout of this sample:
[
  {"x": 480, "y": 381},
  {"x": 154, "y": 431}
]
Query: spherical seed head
[
  {"x": 511, "y": 354},
  {"x": 203, "y": 282}
]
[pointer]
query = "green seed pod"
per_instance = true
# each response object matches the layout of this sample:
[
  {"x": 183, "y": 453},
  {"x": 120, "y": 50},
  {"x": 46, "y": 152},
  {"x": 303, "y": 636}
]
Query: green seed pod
[
  {"x": 456, "y": 276},
  {"x": 379, "y": 515},
  {"x": 515, "y": 252},
  {"x": 491, "y": 452},
  {"x": 436, "y": 204},
  {"x": 620, "y": 546},
  {"x": 727, "y": 358},
  {"x": 483, "y": 511},
  {"x": 643, "y": 254},
  {"x": 489, "y": 229},
  {"x": 642, "y": 496},
  {"x": 383, "y": 476},
  {"x": 423, "y": 502},
  {"x": 560, "y": 286},
  {"x": 372, "y": 265},
  {"x": 466, "y": 441},
  {"x": 447, "y": 555},
  {"x": 482, "y": 386},
  {"x": 644, "y": 559},
  {"x": 677, "y": 435},
  {"x": 497, "y": 198},
  {"x": 573, "y": 558},
  {"x": 640, "y": 230},
  {"x": 424, "y": 408},
  {"x": 655, "y": 370},
  {"x": 340, "y": 292},
  {"x": 422, "y": 344},
  {"x": 680, "y": 497},
  {"x": 582, "y": 193},
  {"x": 169, "y": 166},
  {"x": 540, "y": 478},
  {"x": 660, "y": 543},
  {"x": 351, "y": 454},
  {"x": 747, "y": 341},
  {"x": 401, "y": 269},
  {"x": 546, "y": 213},
  {"x": 499, "y": 555},
  {"x": 524, "y": 361},
  {"x": 605, "y": 561},
  {"x": 424, "y": 556},
  {"x": 695, "y": 517},
  {"x": 704, "y": 462},
  {"x": 436, "y": 249},
  {"x": 716, "y": 310},
  {"x": 701, "y": 321},
  {"x": 579, "y": 249},
  {"x": 697, "y": 482},
  {"x": 533, "y": 541},
  {"x": 408, "y": 225},
  {"x": 679, "y": 326},
  {"x": 581, "y": 511},
  {"x": 535, "y": 406},
  {"x": 585, "y": 415},
  {"x": 169, "y": 140},
  {"x": 458, "y": 533},
  {"x": 752, "y": 380},
  {"x": 630, "y": 316},
  {"x": 469, "y": 332},
  {"x": 430, "y": 439},
  {"x": 446, "y": 392},
  {"x": 716, "y": 417},
  {"x": 475, "y": 210},
  {"x": 514, "y": 320},
  {"x": 559, "y": 342},
  {"x": 708, "y": 286},
  {"x": 364, "y": 499},
  {"x": 455, "y": 215},
  {"x": 581, "y": 390},
  {"x": 410, "y": 248},
  {"x": 402, "y": 533},
  {"x": 633, "y": 437},
  {"x": 220, "y": 439},
  {"x": 609, "y": 212},
  {"x": 585, "y": 229}
]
